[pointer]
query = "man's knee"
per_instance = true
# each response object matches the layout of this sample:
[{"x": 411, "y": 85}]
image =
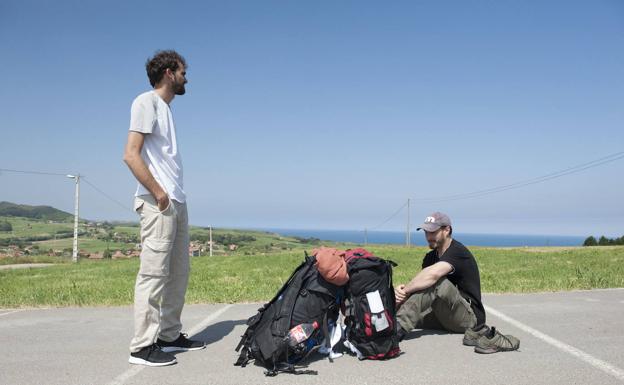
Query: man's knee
[
  {"x": 453, "y": 311},
  {"x": 444, "y": 284}
]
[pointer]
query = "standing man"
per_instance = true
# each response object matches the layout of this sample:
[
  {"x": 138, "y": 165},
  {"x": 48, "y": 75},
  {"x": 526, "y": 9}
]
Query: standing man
[
  {"x": 446, "y": 293},
  {"x": 152, "y": 155}
]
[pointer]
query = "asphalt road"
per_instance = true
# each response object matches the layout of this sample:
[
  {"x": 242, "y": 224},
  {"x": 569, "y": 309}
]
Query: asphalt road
[{"x": 566, "y": 338}]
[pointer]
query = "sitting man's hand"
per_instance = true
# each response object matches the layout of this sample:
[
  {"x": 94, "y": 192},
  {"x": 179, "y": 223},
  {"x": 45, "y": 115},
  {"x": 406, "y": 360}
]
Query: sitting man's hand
[{"x": 400, "y": 294}]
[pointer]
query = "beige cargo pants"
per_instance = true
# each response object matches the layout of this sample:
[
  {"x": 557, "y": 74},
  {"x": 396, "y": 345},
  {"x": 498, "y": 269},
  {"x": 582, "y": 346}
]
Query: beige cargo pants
[
  {"x": 163, "y": 275},
  {"x": 439, "y": 307}
]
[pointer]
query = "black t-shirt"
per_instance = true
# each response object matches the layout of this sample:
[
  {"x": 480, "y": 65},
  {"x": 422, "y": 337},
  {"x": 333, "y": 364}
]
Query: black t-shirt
[{"x": 465, "y": 275}]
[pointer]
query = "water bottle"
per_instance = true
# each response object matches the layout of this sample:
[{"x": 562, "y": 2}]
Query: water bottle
[{"x": 301, "y": 333}]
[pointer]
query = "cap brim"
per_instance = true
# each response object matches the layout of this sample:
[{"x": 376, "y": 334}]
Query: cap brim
[{"x": 429, "y": 227}]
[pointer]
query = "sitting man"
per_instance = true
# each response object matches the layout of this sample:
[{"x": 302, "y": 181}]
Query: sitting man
[{"x": 446, "y": 293}]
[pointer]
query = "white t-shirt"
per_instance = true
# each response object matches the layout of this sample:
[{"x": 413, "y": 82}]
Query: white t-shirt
[{"x": 151, "y": 115}]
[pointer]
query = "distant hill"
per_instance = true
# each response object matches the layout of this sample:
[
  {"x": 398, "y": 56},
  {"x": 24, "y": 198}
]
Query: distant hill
[{"x": 46, "y": 213}]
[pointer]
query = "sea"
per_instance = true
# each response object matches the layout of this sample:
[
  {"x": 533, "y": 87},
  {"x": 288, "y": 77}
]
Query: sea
[{"x": 418, "y": 238}]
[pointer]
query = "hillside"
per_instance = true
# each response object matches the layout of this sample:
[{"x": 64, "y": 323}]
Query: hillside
[
  {"x": 46, "y": 213},
  {"x": 33, "y": 237}
]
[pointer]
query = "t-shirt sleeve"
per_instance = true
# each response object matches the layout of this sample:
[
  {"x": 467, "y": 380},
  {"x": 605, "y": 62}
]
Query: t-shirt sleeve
[
  {"x": 454, "y": 260},
  {"x": 142, "y": 115},
  {"x": 428, "y": 260}
]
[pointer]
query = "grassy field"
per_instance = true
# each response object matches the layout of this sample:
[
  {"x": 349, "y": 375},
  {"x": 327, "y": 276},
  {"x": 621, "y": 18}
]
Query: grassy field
[
  {"x": 36, "y": 238},
  {"x": 247, "y": 278},
  {"x": 25, "y": 227}
]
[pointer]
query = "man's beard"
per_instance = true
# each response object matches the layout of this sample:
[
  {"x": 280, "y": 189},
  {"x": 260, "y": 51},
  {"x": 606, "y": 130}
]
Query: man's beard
[
  {"x": 179, "y": 89},
  {"x": 435, "y": 243}
]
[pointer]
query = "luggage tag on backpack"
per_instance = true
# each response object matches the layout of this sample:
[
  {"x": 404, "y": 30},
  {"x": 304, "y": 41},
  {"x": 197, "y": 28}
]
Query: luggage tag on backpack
[{"x": 378, "y": 315}]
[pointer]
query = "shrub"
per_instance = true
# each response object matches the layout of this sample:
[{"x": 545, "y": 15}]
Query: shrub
[
  {"x": 590, "y": 241},
  {"x": 6, "y": 226}
]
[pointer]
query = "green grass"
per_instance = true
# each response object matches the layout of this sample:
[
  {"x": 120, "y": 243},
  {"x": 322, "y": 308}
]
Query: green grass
[
  {"x": 256, "y": 278},
  {"x": 92, "y": 239},
  {"x": 520, "y": 271},
  {"x": 523, "y": 270},
  {"x": 89, "y": 244}
]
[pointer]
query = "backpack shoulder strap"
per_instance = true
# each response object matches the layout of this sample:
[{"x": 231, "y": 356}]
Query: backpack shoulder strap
[{"x": 252, "y": 323}]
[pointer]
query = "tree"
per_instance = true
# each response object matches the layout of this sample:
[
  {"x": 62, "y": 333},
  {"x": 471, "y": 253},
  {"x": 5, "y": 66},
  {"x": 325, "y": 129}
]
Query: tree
[
  {"x": 6, "y": 226},
  {"x": 107, "y": 254},
  {"x": 603, "y": 241},
  {"x": 590, "y": 241}
]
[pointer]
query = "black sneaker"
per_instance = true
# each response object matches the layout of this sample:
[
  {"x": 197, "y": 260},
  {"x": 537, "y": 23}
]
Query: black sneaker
[
  {"x": 182, "y": 344},
  {"x": 152, "y": 356}
]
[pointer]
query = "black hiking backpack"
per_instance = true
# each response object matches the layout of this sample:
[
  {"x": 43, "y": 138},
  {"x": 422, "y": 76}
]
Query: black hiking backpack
[
  {"x": 305, "y": 298},
  {"x": 370, "y": 315}
]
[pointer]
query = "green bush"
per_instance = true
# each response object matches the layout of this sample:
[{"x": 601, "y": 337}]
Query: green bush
[{"x": 6, "y": 226}]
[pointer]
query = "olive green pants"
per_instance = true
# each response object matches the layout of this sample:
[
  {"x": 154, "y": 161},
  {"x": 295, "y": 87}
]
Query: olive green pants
[{"x": 439, "y": 307}]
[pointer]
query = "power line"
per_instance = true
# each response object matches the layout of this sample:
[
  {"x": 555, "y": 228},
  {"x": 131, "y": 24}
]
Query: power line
[
  {"x": 389, "y": 218},
  {"x": 540, "y": 179},
  {"x": 83, "y": 178},
  {"x": 544, "y": 178},
  {"x": 106, "y": 195},
  {"x": 31, "y": 172}
]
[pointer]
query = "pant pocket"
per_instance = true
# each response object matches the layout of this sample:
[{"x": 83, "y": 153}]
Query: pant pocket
[
  {"x": 138, "y": 203},
  {"x": 167, "y": 209},
  {"x": 469, "y": 319},
  {"x": 155, "y": 257}
]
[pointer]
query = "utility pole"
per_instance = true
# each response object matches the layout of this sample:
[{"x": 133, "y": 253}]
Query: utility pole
[
  {"x": 76, "y": 213},
  {"x": 365, "y": 237},
  {"x": 407, "y": 235},
  {"x": 210, "y": 232}
]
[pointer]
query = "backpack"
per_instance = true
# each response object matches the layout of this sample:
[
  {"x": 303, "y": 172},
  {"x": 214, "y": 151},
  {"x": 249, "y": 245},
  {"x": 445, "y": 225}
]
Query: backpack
[
  {"x": 370, "y": 314},
  {"x": 305, "y": 298}
]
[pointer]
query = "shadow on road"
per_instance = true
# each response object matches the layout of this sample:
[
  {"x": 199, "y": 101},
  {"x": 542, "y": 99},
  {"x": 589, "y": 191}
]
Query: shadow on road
[
  {"x": 425, "y": 332},
  {"x": 217, "y": 331}
]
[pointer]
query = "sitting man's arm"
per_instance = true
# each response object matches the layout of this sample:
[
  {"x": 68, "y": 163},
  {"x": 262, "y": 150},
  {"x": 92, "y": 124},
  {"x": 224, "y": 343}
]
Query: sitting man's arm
[{"x": 426, "y": 278}]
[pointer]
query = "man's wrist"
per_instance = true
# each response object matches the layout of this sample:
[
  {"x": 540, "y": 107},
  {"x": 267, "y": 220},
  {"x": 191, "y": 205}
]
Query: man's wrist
[{"x": 159, "y": 194}]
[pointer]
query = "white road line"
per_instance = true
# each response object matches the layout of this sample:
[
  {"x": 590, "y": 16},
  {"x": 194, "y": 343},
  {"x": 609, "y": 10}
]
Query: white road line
[
  {"x": 11, "y": 312},
  {"x": 202, "y": 325},
  {"x": 134, "y": 370},
  {"x": 593, "y": 361},
  {"x": 128, "y": 374}
]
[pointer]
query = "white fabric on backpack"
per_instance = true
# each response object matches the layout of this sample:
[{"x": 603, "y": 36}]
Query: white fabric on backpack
[
  {"x": 353, "y": 349},
  {"x": 335, "y": 333}
]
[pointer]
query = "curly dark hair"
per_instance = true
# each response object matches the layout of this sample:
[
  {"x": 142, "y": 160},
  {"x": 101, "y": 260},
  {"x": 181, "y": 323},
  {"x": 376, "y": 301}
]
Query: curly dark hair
[{"x": 158, "y": 64}]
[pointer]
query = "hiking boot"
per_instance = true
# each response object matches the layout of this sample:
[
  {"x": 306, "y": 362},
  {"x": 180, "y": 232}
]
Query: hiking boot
[
  {"x": 181, "y": 344},
  {"x": 496, "y": 342},
  {"x": 152, "y": 356},
  {"x": 471, "y": 336}
]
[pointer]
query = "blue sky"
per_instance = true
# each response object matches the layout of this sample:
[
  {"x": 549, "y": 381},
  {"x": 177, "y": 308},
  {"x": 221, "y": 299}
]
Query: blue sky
[{"x": 328, "y": 115}]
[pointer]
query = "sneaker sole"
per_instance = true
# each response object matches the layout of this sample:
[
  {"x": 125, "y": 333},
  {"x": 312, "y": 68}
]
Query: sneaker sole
[
  {"x": 140, "y": 361},
  {"x": 493, "y": 350},
  {"x": 169, "y": 349}
]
